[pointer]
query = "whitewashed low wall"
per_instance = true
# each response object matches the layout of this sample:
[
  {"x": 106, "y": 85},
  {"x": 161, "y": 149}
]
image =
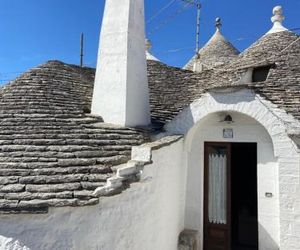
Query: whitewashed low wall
[{"x": 149, "y": 215}]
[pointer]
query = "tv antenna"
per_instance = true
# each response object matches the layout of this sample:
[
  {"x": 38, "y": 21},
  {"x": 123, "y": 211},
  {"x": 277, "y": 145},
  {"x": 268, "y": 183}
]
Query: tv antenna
[
  {"x": 198, "y": 5},
  {"x": 81, "y": 49}
]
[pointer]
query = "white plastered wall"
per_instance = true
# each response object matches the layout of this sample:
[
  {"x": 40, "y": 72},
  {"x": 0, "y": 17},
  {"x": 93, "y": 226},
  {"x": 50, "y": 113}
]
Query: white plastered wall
[
  {"x": 149, "y": 215},
  {"x": 256, "y": 120}
]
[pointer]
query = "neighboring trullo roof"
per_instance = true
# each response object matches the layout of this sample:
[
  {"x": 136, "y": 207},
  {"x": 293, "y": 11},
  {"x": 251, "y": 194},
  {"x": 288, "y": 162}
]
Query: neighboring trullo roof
[
  {"x": 274, "y": 43},
  {"x": 216, "y": 52},
  {"x": 282, "y": 87},
  {"x": 281, "y": 48},
  {"x": 172, "y": 89}
]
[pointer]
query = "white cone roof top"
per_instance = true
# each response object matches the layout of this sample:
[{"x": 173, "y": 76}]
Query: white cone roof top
[
  {"x": 217, "y": 51},
  {"x": 277, "y": 20},
  {"x": 149, "y": 56},
  {"x": 217, "y": 36}
]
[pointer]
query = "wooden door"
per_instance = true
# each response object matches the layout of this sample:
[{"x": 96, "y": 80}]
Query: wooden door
[{"x": 217, "y": 198}]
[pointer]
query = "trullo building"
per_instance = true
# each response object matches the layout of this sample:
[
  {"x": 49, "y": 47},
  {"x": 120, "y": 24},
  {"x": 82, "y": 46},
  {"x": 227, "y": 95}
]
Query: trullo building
[{"x": 144, "y": 156}]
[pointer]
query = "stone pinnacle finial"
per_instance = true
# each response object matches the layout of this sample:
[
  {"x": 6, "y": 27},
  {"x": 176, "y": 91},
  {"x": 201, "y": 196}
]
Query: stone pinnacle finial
[
  {"x": 218, "y": 23},
  {"x": 277, "y": 19},
  {"x": 148, "y": 45}
]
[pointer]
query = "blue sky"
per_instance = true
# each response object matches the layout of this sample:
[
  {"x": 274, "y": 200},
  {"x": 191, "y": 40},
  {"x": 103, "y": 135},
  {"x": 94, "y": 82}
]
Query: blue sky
[{"x": 34, "y": 31}]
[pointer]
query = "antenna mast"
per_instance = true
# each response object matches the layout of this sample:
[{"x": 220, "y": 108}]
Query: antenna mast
[
  {"x": 81, "y": 49},
  {"x": 198, "y": 5}
]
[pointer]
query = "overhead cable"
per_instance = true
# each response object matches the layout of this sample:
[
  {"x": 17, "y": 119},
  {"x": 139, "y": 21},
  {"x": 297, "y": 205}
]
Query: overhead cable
[
  {"x": 175, "y": 50},
  {"x": 160, "y": 11},
  {"x": 170, "y": 18}
]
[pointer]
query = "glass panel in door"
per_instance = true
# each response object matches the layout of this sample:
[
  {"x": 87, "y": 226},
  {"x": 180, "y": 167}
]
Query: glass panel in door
[{"x": 217, "y": 197}]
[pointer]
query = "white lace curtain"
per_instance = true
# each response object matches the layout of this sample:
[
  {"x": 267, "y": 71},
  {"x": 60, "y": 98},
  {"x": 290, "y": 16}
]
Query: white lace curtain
[{"x": 217, "y": 189}]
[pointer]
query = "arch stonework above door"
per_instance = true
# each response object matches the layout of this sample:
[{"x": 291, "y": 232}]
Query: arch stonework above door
[{"x": 275, "y": 120}]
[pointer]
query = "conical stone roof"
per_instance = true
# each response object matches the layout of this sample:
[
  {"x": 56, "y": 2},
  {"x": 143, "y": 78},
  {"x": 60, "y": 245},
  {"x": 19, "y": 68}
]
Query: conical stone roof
[
  {"x": 217, "y": 51},
  {"x": 266, "y": 50},
  {"x": 52, "y": 152},
  {"x": 274, "y": 44}
]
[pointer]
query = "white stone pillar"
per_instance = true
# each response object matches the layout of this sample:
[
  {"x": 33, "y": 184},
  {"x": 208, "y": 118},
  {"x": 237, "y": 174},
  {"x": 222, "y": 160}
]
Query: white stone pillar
[{"x": 121, "y": 94}]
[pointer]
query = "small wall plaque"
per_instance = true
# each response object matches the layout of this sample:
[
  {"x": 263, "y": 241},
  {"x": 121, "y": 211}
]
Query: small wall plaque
[
  {"x": 227, "y": 133},
  {"x": 269, "y": 195}
]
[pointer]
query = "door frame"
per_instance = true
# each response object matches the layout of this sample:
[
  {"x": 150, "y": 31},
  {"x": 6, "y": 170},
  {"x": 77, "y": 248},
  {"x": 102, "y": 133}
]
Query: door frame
[{"x": 228, "y": 193}]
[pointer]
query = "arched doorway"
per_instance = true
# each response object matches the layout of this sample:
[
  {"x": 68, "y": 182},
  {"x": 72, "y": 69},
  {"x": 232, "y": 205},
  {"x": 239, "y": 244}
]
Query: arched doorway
[{"x": 253, "y": 207}]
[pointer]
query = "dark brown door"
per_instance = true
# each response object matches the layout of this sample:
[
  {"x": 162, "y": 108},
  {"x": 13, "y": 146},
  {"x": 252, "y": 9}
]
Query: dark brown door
[{"x": 217, "y": 198}]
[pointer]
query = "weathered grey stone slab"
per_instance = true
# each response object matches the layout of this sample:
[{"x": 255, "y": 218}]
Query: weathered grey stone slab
[
  {"x": 53, "y": 188},
  {"x": 46, "y": 179},
  {"x": 12, "y": 188},
  {"x": 8, "y": 180},
  {"x": 92, "y": 185},
  {"x": 84, "y": 194}
]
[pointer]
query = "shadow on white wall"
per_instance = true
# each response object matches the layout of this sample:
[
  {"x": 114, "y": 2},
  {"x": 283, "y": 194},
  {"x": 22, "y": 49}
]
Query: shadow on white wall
[{"x": 267, "y": 241}]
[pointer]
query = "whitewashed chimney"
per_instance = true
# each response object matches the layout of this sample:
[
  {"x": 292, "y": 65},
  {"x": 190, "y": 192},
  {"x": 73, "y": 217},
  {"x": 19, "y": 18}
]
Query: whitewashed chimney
[{"x": 121, "y": 94}]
